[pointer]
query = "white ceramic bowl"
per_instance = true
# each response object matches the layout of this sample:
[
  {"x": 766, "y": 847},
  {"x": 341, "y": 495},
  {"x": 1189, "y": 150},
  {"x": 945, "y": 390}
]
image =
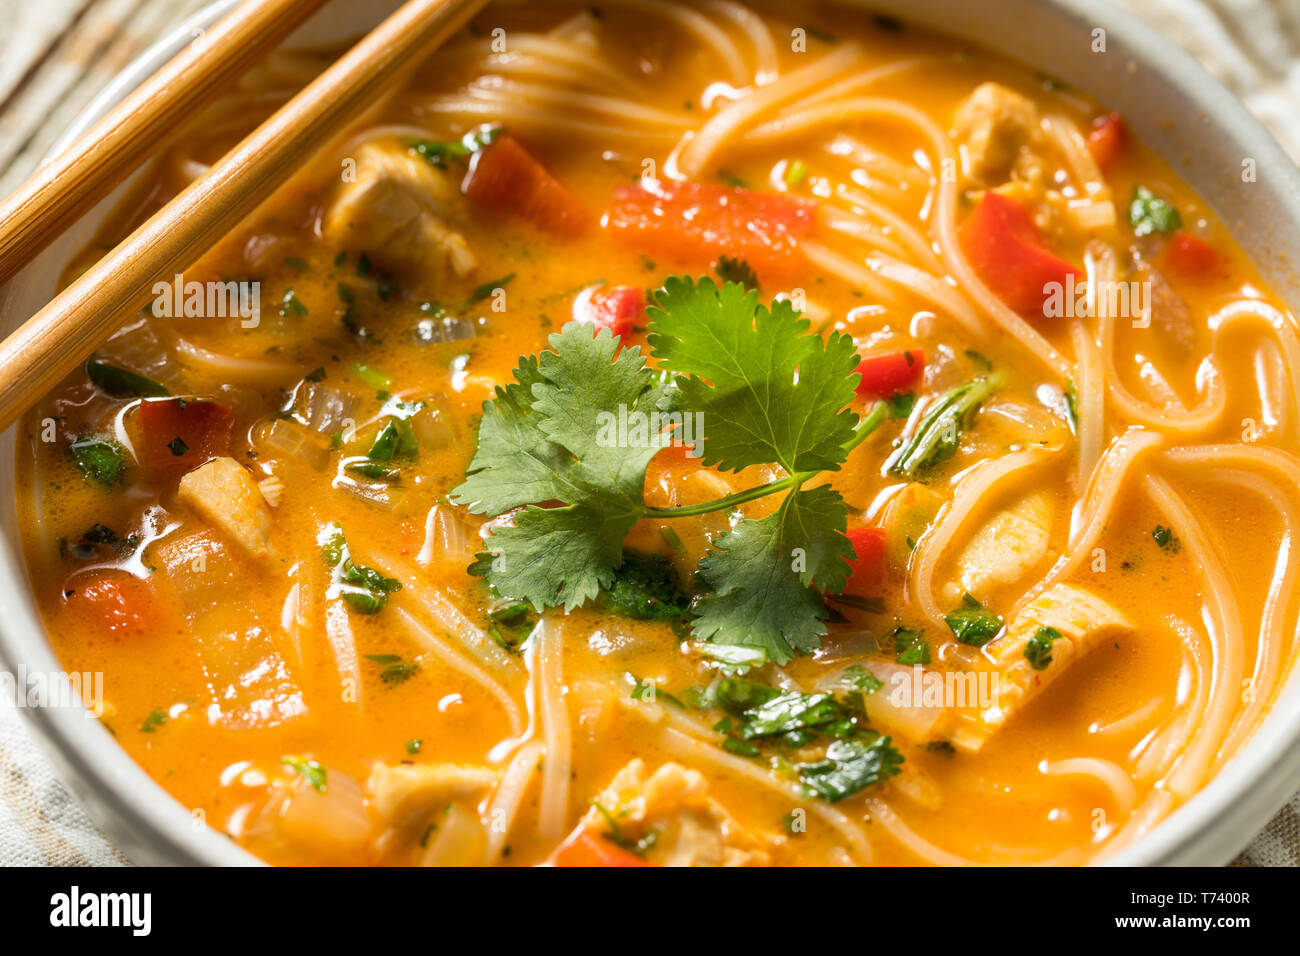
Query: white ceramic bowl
[{"x": 1172, "y": 104}]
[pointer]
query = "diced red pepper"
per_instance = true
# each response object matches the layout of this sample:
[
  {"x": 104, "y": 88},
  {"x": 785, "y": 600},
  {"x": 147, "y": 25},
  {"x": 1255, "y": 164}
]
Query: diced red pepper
[
  {"x": 585, "y": 848},
  {"x": 1192, "y": 258},
  {"x": 889, "y": 373},
  {"x": 702, "y": 222},
  {"x": 176, "y": 435},
  {"x": 504, "y": 177},
  {"x": 618, "y": 308},
  {"x": 119, "y": 603},
  {"x": 1007, "y": 250},
  {"x": 1107, "y": 139},
  {"x": 869, "y": 565}
]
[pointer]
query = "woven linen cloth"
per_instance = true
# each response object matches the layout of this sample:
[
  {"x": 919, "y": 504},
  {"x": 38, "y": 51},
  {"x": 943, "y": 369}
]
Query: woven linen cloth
[{"x": 1252, "y": 46}]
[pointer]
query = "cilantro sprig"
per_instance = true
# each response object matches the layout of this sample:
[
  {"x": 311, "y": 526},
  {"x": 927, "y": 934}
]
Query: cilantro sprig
[{"x": 770, "y": 391}]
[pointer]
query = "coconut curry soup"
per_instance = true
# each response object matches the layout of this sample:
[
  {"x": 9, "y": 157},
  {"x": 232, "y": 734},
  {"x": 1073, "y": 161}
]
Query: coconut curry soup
[{"x": 665, "y": 435}]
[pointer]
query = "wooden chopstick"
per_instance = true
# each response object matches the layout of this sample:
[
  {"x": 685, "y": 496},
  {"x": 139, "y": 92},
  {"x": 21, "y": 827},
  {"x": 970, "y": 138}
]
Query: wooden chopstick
[
  {"x": 56, "y": 339},
  {"x": 69, "y": 184}
]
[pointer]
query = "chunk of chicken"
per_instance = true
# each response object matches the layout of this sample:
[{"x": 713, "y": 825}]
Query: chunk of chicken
[
  {"x": 995, "y": 125},
  {"x": 395, "y": 211},
  {"x": 1082, "y": 619},
  {"x": 690, "y": 828},
  {"x": 403, "y": 793},
  {"x": 225, "y": 495},
  {"x": 1007, "y": 548}
]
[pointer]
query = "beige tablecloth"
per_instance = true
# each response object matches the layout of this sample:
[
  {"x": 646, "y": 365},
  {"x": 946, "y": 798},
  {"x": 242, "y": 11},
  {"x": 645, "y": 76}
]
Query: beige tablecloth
[{"x": 57, "y": 55}]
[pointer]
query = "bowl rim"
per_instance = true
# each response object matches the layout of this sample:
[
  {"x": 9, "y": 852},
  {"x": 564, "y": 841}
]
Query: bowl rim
[{"x": 1210, "y": 827}]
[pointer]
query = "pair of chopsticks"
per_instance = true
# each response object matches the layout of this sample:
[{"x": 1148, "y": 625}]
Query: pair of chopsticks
[{"x": 61, "y": 335}]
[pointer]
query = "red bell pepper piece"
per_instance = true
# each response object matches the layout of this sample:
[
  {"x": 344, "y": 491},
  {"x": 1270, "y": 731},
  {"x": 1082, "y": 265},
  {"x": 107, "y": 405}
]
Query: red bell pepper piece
[
  {"x": 1192, "y": 258},
  {"x": 1007, "y": 250},
  {"x": 1107, "y": 139},
  {"x": 869, "y": 566},
  {"x": 176, "y": 435},
  {"x": 889, "y": 373},
  {"x": 618, "y": 308},
  {"x": 118, "y": 603},
  {"x": 697, "y": 221},
  {"x": 504, "y": 177}
]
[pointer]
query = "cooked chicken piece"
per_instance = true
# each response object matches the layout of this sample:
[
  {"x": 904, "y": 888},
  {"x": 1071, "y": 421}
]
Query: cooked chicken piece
[
  {"x": 403, "y": 793},
  {"x": 995, "y": 125},
  {"x": 395, "y": 211},
  {"x": 1080, "y": 618},
  {"x": 1007, "y": 548},
  {"x": 690, "y": 828},
  {"x": 226, "y": 496}
]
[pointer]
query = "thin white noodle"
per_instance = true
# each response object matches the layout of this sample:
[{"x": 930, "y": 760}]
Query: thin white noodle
[
  {"x": 532, "y": 117},
  {"x": 857, "y": 227},
  {"x": 694, "y": 154},
  {"x": 720, "y": 46},
  {"x": 936, "y": 291},
  {"x": 1134, "y": 720},
  {"x": 231, "y": 368},
  {"x": 855, "y": 275},
  {"x": 1224, "y": 624},
  {"x": 1108, "y": 773},
  {"x": 500, "y": 811},
  {"x": 1103, "y": 495},
  {"x": 766, "y": 67},
  {"x": 496, "y": 87},
  {"x": 439, "y": 608},
  {"x": 1090, "y": 406},
  {"x": 988, "y": 478},
  {"x": 905, "y": 231},
  {"x": 547, "y": 680},
  {"x": 458, "y": 661},
  {"x": 1158, "y": 753}
]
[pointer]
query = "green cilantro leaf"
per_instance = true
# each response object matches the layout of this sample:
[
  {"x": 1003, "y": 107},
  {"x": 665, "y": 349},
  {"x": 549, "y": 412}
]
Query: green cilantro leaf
[
  {"x": 762, "y": 574},
  {"x": 972, "y": 623},
  {"x": 850, "y": 766},
  {"x": 769, "y": 391},
  {"x": 1038, "y": 649}
]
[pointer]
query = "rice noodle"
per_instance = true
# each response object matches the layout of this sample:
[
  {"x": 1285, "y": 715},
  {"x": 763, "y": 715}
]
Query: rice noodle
[
  {"x": 451, "y": 657},
  {"x": 1106, "y": 772},
  {"x": 546, "y": 648},
  {"x": 502, "y": 808}
]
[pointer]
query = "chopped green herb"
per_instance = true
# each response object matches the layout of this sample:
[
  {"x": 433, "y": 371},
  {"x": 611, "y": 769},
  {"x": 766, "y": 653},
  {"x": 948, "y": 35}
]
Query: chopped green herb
[
  {"x": 1148, "y": 213},
  {"x": 849, "y": 767},
  {"x": 365, "y": 589},
  {"x": 1038, "y": 649},
  {"x": 972, "y": 623},
  {"x": 98, "y": 459},
  {"x": 414, "y": 745},
  {"x": 157, "y": 717},
  {"x": 937, "y": 437},
  {"x": 487, "y": 288},
  {"x": 1072, "y": 405},
  {"x": 646, "y": 588},
  {"x": 1166, "y": 539},
  {"x": 120, "y": 382},
  {"x": 736, "y": 270},
  {"x": 371, "y": 376},
  {"x": 910, "y": 646},
  {"x": 796, "y": 172},
  {"x": 863, "y": 679},
  {"x": 901, "y": 404},
  {"x": 308, "y": 769},
  {"x": 291, "y": 304},
  {"x": 395, "y": 670}
]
